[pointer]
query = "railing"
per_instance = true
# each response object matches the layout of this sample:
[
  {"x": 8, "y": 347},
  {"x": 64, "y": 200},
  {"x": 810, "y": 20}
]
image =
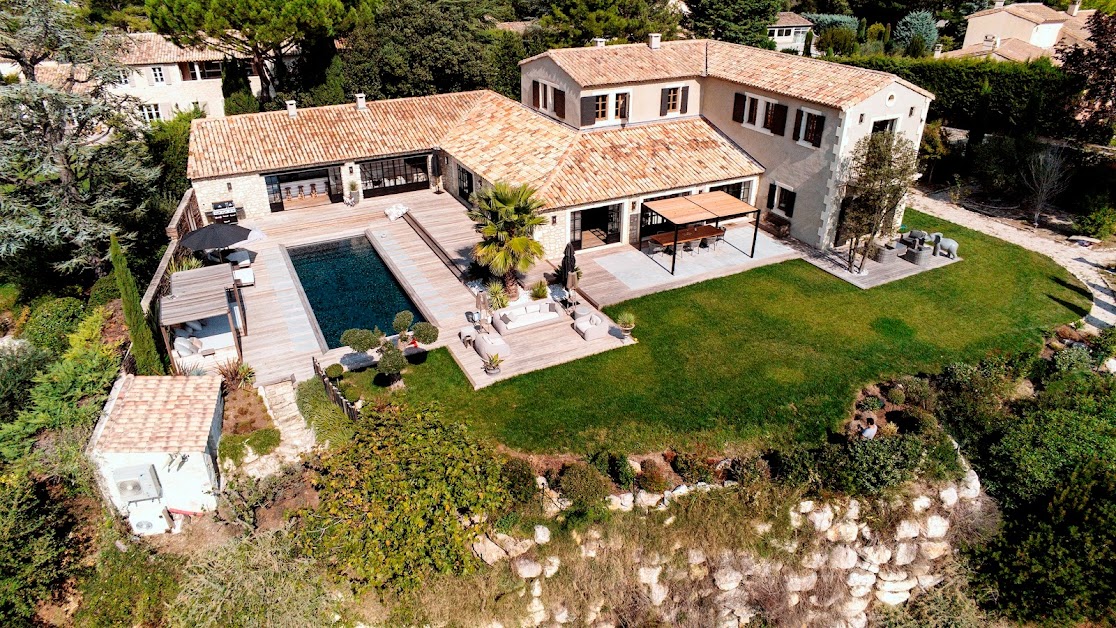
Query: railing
[
  {"x": 187, "y": 217},
  {"x": 334, "y": 393}
]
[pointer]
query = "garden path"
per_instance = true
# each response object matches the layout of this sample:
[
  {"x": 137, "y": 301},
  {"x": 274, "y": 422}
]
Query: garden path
[
  {"x": 295, "y": 437},
  {"x": 1088, "y": 265}
]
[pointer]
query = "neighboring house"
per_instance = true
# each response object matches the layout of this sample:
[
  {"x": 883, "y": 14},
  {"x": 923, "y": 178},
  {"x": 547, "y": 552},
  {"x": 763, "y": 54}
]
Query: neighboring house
[
  {"x": 789, "y": 31},
  {"x": 167, "y": 78},
  {"x": 1022, "y": 31},
  {"x": 154, "y": 449},
  {"x": 599, "y": 132}
]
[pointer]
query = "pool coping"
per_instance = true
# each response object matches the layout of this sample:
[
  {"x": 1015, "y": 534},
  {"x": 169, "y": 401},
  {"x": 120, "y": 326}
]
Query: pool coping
[{"x": 318, "y": 335}]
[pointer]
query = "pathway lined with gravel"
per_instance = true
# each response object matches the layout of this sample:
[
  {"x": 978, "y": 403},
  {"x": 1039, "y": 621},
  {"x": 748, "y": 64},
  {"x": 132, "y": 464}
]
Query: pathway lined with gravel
[{"x": 1085, "y": 264}]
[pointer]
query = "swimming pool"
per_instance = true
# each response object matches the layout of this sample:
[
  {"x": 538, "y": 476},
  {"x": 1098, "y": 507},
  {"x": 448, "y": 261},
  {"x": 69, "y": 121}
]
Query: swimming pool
[{"x": 348, "y": 286}]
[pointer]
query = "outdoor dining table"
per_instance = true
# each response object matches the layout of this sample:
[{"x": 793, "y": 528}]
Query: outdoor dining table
[{"x": 688, "y": 234}]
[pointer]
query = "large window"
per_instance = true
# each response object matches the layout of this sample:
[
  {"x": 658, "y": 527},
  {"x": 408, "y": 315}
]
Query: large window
[
  {"x": 651, "y": 223},
  {"x": 206, "y": 70},
  {"x": 150, "y": 113},
  {"x": 596, "y": 226},
  {"x": 305, "y": 188},
  {"x": 388, "y": 176},
  {"x": 741, "y": 190}
]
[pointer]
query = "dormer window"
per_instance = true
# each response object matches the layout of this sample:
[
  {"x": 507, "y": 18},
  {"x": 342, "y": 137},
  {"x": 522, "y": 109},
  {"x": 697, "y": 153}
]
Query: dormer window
[
  {"x": 604, "y": 109},
  {"x": 548, "y": 99},
  {"x": 673, "y": 100}
]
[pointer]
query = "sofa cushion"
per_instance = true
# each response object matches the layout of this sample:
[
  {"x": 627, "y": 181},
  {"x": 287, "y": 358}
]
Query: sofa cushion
[
  {"x": 194, "y": 325},
  {"x": 582, "y": 324},
  {"x": 595, "y": 320},
  {"x": 184, "y": 347},
  {"x": 519, "y": 311}
]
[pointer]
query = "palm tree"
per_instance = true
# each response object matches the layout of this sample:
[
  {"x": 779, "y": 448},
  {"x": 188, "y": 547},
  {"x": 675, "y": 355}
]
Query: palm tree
[{"x": 506, "y": 218}]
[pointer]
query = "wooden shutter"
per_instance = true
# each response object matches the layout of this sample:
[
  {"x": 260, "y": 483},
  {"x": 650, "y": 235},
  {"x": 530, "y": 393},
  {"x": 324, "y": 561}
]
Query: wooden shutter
[
  {"x": 739, "y": 103},
  {"x": 685, "y": 96},
  {"x": 664, "y": 101},
  {"x": 753, "y": 110},
  {"x": 772, "y": 190},
  {"x": 535, "y": 94},
  {"x": 588, "y": 110},
  {"x": 779, "y": 120},
  {"x": 787, "y": 204},
  {"x": 185, "y": 70},
  {"x": 819, "y": 128},
  {"x": 797, "y": 125},
  {"x": 624, "y": 104},
  {"x": 149, "y": 74},
  {"x": 559, "y": 103}
]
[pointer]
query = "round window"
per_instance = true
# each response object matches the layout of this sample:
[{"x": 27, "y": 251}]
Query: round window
[{"x": 890, "y": 99}]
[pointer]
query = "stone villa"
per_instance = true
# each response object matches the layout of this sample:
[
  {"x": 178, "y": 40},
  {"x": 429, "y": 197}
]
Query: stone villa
[{"x": 599, "y": 131}]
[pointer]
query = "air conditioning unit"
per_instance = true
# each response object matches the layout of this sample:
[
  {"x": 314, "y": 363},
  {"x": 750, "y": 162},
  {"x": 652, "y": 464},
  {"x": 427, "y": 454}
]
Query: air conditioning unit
[
  {"x": 149, "y": 518},
  {"x": 137, "y": 483}
]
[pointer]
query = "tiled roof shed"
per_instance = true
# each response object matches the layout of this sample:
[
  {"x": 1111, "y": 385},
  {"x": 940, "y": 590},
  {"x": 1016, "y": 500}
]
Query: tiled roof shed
[{"x": 157, "y": 414}]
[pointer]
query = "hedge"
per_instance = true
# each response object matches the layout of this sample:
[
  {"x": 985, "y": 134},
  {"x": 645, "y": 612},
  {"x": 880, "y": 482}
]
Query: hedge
[{"x": 1033, "y": 95}]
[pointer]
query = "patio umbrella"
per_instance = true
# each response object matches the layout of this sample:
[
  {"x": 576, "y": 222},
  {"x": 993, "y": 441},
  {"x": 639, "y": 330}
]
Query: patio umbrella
[
  {"x": 569, "y": 262},
  {"x": 215, "y": 236}
]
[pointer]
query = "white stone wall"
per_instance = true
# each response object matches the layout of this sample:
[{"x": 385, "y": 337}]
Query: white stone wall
[
  {"x": 554, "y": 237},
  {"x": 248, "y": 191},
  {"x": 175, "y": 94}
]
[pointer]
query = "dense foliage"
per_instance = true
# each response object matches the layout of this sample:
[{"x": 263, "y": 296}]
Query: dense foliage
[
  {"x": 827, "y": 21},
  {"x": 128, "y": 588},
  {"x": 395, "y": 500},
  {"x": 989, "y": 96},
  {"x": 33, "y": 545},
  {"x": 583, "y": 485},
  {"x": 837, "y": 41},
  {"x": 19, "y": 363},
  {"x": 168, "y": 146},
  {"x": 52, "y": 322},
  {"x": 736, "y": 21},
  {"x": 1095, "y": 66},
  {"x": 572, "y": 23}
]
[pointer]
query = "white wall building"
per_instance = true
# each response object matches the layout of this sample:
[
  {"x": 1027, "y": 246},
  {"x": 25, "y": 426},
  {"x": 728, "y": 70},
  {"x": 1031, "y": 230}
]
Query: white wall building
[
  {"x": 1022, "y": 31},
  {"x": 789, "y": 31},
  {"x": 155, "y": 449}
]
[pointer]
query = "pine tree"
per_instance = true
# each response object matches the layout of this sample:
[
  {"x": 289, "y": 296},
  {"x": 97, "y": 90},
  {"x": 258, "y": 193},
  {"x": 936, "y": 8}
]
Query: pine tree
[
  {"x": 736, "y": 21},
  {"x": 143, "y": 343}
]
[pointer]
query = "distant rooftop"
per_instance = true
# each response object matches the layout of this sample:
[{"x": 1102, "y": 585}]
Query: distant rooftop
[
  {"x": 788, "y": 19},
  {"x": 152, "y": 48},
  {"x": 1035, "y": 12},
  {"x": 156, "y": 414}
]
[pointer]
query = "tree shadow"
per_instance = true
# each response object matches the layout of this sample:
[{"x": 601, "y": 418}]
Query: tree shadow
[
  {"x": 1073, "y": 307},
  {"x": 1082, "y": 290}
]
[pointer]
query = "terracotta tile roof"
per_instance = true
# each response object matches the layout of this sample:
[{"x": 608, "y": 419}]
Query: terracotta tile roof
[
  {"x": 789, "y": 18},
  {"x": 813, "y": 80},
  {"x": 1034, "y": 12},
  {"x": 1075, "y": 32},
  {"x": 322, "y": 135},
  {"x": 156, "y": 414},
  {"x": 152, "y": 48},
  {"x": 1010, "y": 49},
  {"x": 58, "y": 75},
  {"x": 613, "y": 163}
]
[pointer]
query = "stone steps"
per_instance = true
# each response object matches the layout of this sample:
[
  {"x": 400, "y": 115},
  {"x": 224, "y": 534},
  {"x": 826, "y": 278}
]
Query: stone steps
[{"x": 296, "y": 438}]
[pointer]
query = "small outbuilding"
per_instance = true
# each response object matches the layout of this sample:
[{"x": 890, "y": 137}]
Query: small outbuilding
[{"x": 155, "y": 449}]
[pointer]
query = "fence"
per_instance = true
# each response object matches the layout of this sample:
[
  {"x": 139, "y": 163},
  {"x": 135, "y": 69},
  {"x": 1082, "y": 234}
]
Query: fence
[
  {"x": 334, "y": 393},
  {"x": 186, "y": 218}
]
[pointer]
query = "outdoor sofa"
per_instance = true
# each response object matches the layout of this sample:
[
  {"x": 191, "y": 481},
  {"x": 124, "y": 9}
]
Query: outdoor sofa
[
  {"x": 514, "y": 318},
  {"x": 591, "y": 327}
]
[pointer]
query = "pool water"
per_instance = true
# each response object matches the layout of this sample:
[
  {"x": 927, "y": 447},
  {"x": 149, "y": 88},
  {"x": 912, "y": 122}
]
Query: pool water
[{"x": 349, "y": 286}]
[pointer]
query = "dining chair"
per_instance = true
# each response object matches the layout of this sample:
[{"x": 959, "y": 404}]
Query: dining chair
[
  {"x": 720, "y": 237},
  {"x": 688, "y": 246},
  {"x": 300, "y": 192},
  {"x": 313, "y": 189},
  {"x": 288, "y": 190}
]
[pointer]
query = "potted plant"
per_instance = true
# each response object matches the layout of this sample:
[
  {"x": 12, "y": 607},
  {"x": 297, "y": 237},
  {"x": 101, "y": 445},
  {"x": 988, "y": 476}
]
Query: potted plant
[
  {"x": 492, "y": 364},
  {"x": 540, "y": 290},
  {"x": 626, "y": 322},
  {"x": 353, "y": 196}
]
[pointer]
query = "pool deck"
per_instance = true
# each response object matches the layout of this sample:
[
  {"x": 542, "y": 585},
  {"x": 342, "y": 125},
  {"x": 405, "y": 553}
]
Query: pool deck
[{"x": 283, "y": 333}]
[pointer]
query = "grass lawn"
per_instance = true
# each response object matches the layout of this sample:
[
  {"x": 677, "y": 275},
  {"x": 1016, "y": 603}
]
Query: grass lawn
[{"x": 767, "y": 356}]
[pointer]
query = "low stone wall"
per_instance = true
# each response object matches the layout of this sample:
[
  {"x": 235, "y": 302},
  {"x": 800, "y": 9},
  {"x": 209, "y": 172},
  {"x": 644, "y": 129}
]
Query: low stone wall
[{"x": 837, "y": 568}]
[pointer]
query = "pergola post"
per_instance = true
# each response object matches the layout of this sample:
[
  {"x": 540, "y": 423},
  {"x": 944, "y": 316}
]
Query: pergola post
[
  {"x": 170, "y": 349},
  {"x": 674, "y": 257},
  {"x": 755, "y": 233},
  {"x": 240, "y": 306}
]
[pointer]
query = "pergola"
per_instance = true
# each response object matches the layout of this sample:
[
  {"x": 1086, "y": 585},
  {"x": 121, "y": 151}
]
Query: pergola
[
  {"x": 202, "y": 293},
  {"x": 690, "y": 216}
]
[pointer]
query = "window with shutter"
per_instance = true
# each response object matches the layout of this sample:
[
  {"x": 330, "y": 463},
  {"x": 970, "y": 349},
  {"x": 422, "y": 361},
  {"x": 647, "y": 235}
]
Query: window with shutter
[
  {"x": 753, "y": 110},
  {"x": 560, "y": 103},
  {"x": 664, "y": 101},
  {"x": 588, "y": 110},
  {"x": 600, "y": 107},
  {"x": 622, "y": 106},
  {"x": 815, "y": 126},
  {"x": 685, "y": 99},
  {"x": 535, "y": 94},
  {"x": 796, "y": 131},
  {"x": 786, "y": 201},
  {"x": 772, "y": 192},
  {"x": 779, "y": 119},
  {"x": 739, "y": 102}
]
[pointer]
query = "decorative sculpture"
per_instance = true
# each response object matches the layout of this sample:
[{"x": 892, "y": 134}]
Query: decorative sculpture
[{"x": 945, "y": 246}]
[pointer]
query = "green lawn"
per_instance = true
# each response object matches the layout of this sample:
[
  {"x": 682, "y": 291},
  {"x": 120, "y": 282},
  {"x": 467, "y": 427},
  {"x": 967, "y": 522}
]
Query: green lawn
[{"x": 770, "y": 355}]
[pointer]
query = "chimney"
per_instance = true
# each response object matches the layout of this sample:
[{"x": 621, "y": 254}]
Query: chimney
[
  {"x": 361, "y": 106},
  {"x": 654, "y": 41},
  {"x": 599, "y": 42},
  {"x": 1074, "y": 7},
  {"x": 292, "y": 110},
  {"x": 999, "y": 4},
  {"x": 991, "y": 42},
  {"x": 937, "y": 51}
]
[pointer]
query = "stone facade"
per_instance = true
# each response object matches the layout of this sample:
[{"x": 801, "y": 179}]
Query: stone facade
[{"x": 247, "y": 191}]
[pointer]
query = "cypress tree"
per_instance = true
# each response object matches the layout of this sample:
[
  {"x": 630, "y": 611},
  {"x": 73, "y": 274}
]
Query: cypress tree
[
  {"x": 143, "y": 343},
  {"x": 808, "y": 45}
]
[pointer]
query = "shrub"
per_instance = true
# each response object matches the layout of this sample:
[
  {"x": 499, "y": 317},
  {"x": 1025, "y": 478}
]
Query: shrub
[
  {"x": 940, "y": 461},
  {"x": 653, "y": 477},
  {"x": 615, "y": 466},
  {"x": 362, "y": 340},
  {"x": 259, "y": 580},
  {"x": 497, "y": 295},
  {"x": 103, "y": 292},
  {"x": 918, "y": 392},
  {"x": 626, "y": 319},
  {"x": 870, "y": 403},
  {"x": 691, "y": 468},
  {"x": 19, "y": 363},
  {"x": 839, "y": 41},
  {"x": 583, "y": 485},
  {"x": 397, "y": 500},
  {"x": 392, "y": 361},
  {"x": 1056, "y": 563},
  {"x": 917, "y": 26},
  {"x": 425, "y": 333},
  {"x": 540, "y": 290},
  {"x": 236, "y": 374},
  {"x": 264, "y": 441},
  {"x": 329, "y": 423},
  {"x": 796, "y": 467},
  {"x": 875, "y": 32},
  {"x": 748, "y": 470},
  {"x": 232, "y": 447},
  {"x": 897, "y": 396},
  {"x": 519, "y": 479},
  {"x": 1075, "y": 358},
  {"x": 1099, "y": 222},
  {"x": 827, "y": 21},
  {"x": 402, "y": 322},
  {"x": 918, "y": 421},
  {"x": 33, "y": 545},
  {"x": 241, "y": 102},
  {"x": 131, "y": 588},
  {"x": 870, "y": 467},
  {"x": 52, "y": 321},
  {"x": 334, "y": 371},
  {"x": 1104, "y": 345}
]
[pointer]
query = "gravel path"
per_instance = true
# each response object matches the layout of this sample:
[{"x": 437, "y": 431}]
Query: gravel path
[{"x": 1085, "y": 264}]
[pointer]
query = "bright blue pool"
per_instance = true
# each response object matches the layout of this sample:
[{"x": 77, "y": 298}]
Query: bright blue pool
[{"x": 349, "y": 286}]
